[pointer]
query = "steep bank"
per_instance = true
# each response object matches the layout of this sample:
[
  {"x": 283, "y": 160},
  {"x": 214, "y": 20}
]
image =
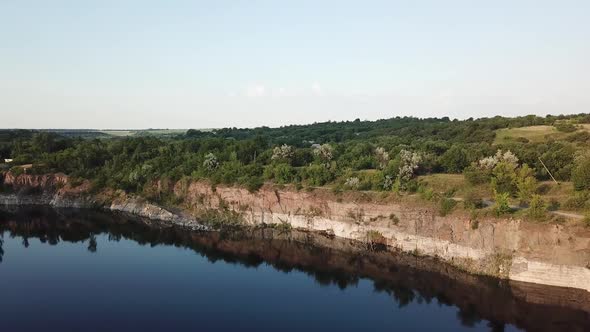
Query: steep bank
[
  {"x": 550, "y": 254},
  {"x": 329, "y": 261}
]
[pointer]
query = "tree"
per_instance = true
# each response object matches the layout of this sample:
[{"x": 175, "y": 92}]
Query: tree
[
  {"x": 581, "y": 172},
  {"x": 317, "y": 175},
  {"x": 281, "y": 173},
  {"x": 525, "y": 183},
  {"x": 502, "y": 203},
  {"x": 537, "y": 208},
  {"x": 325, "y": 153},
  {"x": 210, "y": 162},
  {"x": 476, "y": 175},
  {"x": 382, "y": 157},
  {"x": 454, "y": 160},
  {"x": 409, "y": 162},
  {"x": 282, "y": 153},
  {"x": 504, "y": 178}
]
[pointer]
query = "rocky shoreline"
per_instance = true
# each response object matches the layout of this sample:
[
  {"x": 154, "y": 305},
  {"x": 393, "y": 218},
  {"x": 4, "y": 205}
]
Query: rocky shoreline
[
  {"x": 135, "y": 207},
  {"x": 329, "y": 260},
  {"x": 547, "y": 254}
]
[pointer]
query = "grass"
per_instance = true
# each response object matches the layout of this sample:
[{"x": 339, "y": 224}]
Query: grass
[
  {"x": 531, "y": 133},
  {"x": 554, "y": 192},
  {"x": 118, "y": 133},
  {"x": 444, "y": 183},
  {"x": 144, "y": 132}
]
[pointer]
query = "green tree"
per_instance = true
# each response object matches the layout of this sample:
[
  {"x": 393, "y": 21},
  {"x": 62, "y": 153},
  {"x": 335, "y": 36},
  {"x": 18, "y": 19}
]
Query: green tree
[
  {"x": 537, "y": 208},
  {"x": 502, "y": 203},
  {"x": 525, "y": 183},
  {"x": 454, "y": 160},
  {"x": 581, "y": 173},
  {"x": 504, "y": 177}
]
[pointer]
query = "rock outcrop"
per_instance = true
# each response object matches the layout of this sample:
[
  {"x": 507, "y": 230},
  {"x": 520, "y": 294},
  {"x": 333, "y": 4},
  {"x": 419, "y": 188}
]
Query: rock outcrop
[{"x": 550, "y": 254}]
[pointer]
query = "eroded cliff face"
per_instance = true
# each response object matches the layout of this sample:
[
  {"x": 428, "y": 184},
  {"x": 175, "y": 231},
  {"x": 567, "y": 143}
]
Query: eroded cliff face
[
  {"x": 48, "y": 189},
  {"x": 47, "y": 182},
  {"x": 551, "y": 254},
  {"x": 330, "y": 260}
]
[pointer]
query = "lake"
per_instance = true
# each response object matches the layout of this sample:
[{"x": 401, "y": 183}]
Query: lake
[{"x": 81, "y": 270}]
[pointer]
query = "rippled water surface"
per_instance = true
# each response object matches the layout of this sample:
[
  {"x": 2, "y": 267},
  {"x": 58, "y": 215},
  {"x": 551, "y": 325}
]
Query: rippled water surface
[{"x": 75, "y": 270}]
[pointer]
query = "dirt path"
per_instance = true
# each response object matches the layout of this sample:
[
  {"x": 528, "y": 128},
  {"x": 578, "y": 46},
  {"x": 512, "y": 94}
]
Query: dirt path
[{"x": 572, "y": 215}]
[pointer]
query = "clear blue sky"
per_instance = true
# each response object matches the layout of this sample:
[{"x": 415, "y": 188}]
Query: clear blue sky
[{"x": 200, "y": 64}]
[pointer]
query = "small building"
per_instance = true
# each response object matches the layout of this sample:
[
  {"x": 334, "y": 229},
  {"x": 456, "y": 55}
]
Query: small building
[{"x": 7, "y": 160}]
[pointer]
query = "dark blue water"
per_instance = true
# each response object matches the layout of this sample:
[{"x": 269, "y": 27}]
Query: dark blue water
[{"x": 76, "y": 272}]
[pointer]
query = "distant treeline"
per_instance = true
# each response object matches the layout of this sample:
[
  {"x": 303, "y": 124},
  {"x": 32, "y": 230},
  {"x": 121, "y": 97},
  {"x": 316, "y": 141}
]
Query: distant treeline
[{"x": 360, "y": 154}]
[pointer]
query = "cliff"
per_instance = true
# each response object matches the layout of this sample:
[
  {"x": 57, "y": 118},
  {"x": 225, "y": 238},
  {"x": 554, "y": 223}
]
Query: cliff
[{"x": 543, "y": 253}]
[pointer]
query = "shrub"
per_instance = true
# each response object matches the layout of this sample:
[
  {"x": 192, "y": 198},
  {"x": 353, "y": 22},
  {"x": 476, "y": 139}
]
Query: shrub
[
  {"x": 254, "y": 183},
  {"x": 454, "y": 160},
  {"x": 502, "y": 203},
  {"x": 280, "y": 173},
  {"x": 394, "y": 219},
  {"x": 17, "y": 170},
  {"x": 317, "y": 175},
  {"x": 426, "y": 193},
  {"x": 472, "y": 201},
  {"x": 352, "y": 182},
  {"x": 565, "y": 127},
  {"x": 537, "y": 208},
  {"x": 504, "y": 179},
  {"x": 553, "y": 205},
  {"x": 581, "y": 173},
  {"x": 474, "y": 175},
  {"x": 446, "y": 206},
  {"x": 577, "y": 201},
  {"x": 375, "y": 240},
  {"x": 525, "y": 183},
  {"x": 210, "y": 163}
]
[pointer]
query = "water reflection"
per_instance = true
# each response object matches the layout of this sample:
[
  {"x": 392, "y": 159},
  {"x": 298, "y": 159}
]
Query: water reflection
[{"x": 406, "y": 279}]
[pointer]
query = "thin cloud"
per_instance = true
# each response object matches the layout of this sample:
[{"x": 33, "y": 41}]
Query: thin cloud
[
  {"x": 317, "y": 89},
  {"x": 256, "y": 91}
]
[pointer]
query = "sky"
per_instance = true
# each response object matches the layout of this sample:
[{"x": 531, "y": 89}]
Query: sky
[{"x": 206, "y": 64}]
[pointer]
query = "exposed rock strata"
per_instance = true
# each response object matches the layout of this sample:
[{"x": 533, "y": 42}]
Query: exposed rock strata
[{"x": 550, "y": 254}]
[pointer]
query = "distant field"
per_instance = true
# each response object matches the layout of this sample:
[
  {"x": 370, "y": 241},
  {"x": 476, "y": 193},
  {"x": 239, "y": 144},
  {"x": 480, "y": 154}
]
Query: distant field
[
  {"x": 109, "y": 133},
  {"x": 117, "y": 132},
  {"x": 159, "y": 132},
  {"x": 532, "y": 133}
]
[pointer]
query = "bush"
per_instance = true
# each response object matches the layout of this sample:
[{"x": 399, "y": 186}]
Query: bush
[
  {"x": 254, "y": 183},
  {"x": 578, "y": 201},
  {"x": 553, "y": 205},
  {"x": 565, "y": 127},
  {"x": 280, "y": 173},
  {"x": 317, "y": 175},
  {"x": 474, "y": 175},
  {"x": 504, "y": 179},
  {"x": 426, "y": 193},
  {"x": 525, "y": 183},
  {"x": 472, "y": 201},
  {"x": 581, "y": 173},
  {"x": 446, "y": 206},
  {"x": 17, "y": 170},
  {"x": 454, "y": 160},
  {"x": 537, "y": 208},
  {"x": 502, "y": 204}
]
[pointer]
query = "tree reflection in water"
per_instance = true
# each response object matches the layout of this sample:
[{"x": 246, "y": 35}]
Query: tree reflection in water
[{"x": 406, "y": 279}]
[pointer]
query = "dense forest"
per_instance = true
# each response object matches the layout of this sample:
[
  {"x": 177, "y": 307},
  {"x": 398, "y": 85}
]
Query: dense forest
[{"x": 383, "y": 155}]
